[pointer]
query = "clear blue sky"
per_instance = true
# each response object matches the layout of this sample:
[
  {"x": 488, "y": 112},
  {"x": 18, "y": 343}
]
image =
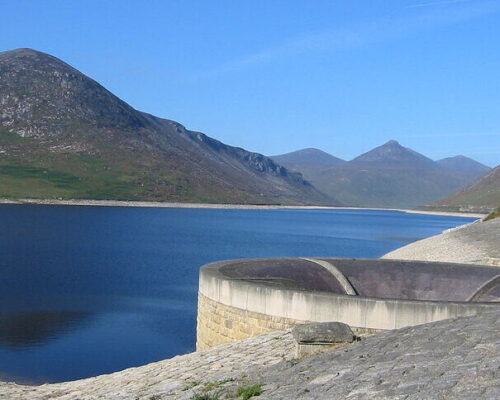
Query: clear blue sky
[{"x": 275, "y": 76}]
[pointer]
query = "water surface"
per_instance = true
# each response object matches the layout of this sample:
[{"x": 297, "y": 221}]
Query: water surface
[{"x": 92, "y": 290}]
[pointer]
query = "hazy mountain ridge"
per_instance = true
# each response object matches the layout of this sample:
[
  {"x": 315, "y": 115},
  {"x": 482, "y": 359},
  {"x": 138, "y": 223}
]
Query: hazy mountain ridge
[
  {"x": 481, "y": 195},
  {"x": 467, "y": 167},
  {"x": 391, "y": 175},
  {"x": 64, "y": 135},
  {"x": 463, "y": 163},
  {"x": 308, "y": 162},
  {"x": 309, "y": 156}
]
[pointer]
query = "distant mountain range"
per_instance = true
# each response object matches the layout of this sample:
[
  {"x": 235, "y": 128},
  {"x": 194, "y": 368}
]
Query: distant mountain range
[
  {"x": 388, "y": 176},
  {"x": 64, "y": 135}
]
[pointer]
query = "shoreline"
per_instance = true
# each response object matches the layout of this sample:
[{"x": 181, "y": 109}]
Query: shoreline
[{"x": 158, "y": 204}]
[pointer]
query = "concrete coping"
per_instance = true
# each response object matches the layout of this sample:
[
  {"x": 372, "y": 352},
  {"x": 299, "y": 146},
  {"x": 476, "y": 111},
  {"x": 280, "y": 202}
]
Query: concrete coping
[
  {"x": 304, "y": 291},
  {"x": 485, "y": 288},
  {"x": 343, "y": 281}
]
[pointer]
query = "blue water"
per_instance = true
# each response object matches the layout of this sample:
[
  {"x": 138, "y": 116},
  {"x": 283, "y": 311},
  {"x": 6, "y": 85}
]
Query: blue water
[{"x": 92, "y": 290}]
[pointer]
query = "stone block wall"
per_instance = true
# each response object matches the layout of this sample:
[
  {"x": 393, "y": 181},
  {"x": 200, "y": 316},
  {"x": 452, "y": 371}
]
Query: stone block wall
[{"x": 219, "y": 323}]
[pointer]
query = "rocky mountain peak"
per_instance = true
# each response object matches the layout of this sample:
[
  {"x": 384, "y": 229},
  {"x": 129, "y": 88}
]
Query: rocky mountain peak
[
  {"x": 392, "y": 153},
  {"x": 41, "y": 95}
]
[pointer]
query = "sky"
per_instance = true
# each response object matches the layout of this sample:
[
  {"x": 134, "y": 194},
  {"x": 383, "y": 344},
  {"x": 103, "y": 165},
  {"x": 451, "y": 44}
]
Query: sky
[{"x": 274, "y": 76}]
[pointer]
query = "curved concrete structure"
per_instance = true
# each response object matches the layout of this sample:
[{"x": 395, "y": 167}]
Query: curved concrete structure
[{"x": 241, "y": 298}]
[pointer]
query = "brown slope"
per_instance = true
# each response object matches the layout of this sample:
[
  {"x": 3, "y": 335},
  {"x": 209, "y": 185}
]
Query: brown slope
[{"x": 482, "y": 195}]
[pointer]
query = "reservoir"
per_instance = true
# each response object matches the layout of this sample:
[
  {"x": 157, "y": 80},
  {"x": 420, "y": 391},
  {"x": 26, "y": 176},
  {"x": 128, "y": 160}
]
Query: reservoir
[{"x": 91, "y": 290}]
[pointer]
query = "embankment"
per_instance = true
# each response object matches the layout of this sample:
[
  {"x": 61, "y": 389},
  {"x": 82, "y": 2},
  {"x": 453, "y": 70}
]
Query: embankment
[{"x": 476, "y": 243}]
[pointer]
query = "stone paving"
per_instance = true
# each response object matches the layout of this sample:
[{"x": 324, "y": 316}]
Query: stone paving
[
  {"x": 451, "y": 359},
  {"x": 476, "y": 243},
  {"x": 175, "y": 378}
]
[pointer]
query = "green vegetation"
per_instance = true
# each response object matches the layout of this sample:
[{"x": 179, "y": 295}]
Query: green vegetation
[
  {"x": 190, "y": 385},
  {"x": 493, "y": 215},
  {"x": 246, "y": 392},
  {"x": 58, "y": 178},
  {"x": 207, "y": 387},
  {"x": 215, "y": 384},
  {"x": 205, "y": 397},
  {"x": 107, "y": 176},
  {"x": 71, "y": 178}
]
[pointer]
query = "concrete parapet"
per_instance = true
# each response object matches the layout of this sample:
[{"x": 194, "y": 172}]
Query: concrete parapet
[{"x": 242, "y": 298}]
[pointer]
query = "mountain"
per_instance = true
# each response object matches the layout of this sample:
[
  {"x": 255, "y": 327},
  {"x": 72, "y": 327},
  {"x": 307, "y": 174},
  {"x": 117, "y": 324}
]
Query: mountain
[
  {"x": 465, "y": 166},
  {"x": 392, "y": 154},
  {"x": 389, "y": 176},
  {"x": 310, "y": 157},
  {"x": 64, "y": 135},
  {"x": 481, "y": 195},
  {"x": 309, "y": 162}
]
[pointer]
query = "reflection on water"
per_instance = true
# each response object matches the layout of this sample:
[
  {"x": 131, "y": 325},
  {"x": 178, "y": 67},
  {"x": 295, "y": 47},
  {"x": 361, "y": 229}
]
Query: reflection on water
[
  {"x": 93, "y": 290},
  {"x": 20, "y": 330}
]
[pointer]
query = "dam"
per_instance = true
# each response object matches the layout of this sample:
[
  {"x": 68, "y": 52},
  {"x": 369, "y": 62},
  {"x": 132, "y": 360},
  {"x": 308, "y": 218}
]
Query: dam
[{"x": 242, "y": 298}]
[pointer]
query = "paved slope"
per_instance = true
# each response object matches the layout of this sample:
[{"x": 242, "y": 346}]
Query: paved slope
[
  {"x": 476, "y": 243},
  {"x": 64, "y": 135},
  {"x": 178, "y": 377},
  {"x": 451, "y": 359}
]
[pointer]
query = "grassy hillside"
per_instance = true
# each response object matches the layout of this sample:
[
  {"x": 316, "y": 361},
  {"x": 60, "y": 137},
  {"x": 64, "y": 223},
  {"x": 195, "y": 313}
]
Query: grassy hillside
[{"x": 118, "y": 175}]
